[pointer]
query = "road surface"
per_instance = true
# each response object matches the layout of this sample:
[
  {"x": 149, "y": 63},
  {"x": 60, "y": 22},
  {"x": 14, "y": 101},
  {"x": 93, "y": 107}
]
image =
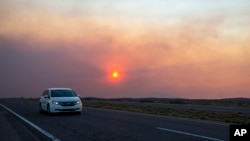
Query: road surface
[{"x": 109, "y": 125}]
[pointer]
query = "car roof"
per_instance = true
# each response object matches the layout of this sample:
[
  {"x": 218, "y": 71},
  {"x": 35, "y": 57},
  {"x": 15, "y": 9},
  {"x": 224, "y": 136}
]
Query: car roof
[{"x": 59, "y": 89}]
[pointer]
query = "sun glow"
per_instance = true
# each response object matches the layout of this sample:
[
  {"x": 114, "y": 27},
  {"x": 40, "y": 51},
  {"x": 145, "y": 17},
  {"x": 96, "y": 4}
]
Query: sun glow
[{"x": 115, "y": 75}]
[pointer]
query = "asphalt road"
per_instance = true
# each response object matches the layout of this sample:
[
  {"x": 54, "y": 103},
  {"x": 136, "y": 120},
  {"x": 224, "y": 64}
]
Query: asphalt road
[
  {"x": 12, "y": 130},
  {"x": 109, "y": 125}
]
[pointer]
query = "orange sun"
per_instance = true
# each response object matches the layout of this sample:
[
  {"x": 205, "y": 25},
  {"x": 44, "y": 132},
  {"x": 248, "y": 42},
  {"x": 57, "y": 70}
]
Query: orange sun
[{"x": 115, "y": 74}]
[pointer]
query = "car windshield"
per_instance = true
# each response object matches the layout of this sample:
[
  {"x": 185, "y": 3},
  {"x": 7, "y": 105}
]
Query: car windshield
[{"x": 63, "y": 93}]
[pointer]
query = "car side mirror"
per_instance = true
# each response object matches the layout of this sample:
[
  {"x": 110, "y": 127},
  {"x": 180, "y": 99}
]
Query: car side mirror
[{"x": 46, "y": 96}]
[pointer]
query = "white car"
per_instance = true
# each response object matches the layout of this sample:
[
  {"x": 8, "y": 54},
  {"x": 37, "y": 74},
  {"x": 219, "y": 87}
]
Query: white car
[{"x": 55, "y": 100}]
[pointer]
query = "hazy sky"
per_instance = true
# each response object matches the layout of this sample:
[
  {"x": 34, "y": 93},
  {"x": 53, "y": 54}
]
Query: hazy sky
[{"x": 160, "y": 48}]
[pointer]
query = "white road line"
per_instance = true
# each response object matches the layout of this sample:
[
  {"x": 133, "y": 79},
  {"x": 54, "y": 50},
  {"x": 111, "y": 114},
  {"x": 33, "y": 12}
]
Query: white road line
[
  {"x": 53, "y": 138},
  {"x": 189, "y": 134}
]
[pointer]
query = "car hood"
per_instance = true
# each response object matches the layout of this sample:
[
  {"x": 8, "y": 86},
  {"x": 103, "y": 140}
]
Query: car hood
[{"x": 65, "y": 98}]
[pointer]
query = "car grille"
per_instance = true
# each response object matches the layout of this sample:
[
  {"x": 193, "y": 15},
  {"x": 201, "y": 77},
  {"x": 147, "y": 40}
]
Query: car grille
[{"x": 69, "y": 103}]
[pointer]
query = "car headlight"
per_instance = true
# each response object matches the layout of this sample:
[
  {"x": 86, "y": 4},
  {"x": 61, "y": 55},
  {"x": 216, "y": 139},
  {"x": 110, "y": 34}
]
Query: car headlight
[
  {"x": 78, "y": 102},
  {"x": 55, "y": 102}
]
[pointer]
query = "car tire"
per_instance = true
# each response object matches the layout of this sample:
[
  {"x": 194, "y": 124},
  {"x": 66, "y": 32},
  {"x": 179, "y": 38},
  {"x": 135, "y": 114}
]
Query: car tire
[
  {"x": 40, "y": 108},
  {"x": 48, "y": 110},
  {"x": 78, "y": 113}
]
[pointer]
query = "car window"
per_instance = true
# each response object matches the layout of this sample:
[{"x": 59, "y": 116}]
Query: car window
[
  {"x": 45, "y": 92},
  {"x": 63, "y": 93}
]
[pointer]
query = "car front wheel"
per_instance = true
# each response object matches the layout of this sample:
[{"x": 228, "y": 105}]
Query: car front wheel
[
  {"x": 78, "y": 113},
  {"x": 40, "y": 108},
  {"x": 48, "y": 110}
]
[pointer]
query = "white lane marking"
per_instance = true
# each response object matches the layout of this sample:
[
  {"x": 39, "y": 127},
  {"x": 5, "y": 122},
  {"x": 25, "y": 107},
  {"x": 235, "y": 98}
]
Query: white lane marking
[
  {"x": 189, "y": 134},
  {"x": 53, "y": 138}
]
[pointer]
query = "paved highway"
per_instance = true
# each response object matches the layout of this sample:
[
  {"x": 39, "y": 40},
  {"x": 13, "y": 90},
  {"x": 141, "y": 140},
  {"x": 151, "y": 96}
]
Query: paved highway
[
  {"x": 12, "y": 130},
  {"x": 109, "y": 125}
]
